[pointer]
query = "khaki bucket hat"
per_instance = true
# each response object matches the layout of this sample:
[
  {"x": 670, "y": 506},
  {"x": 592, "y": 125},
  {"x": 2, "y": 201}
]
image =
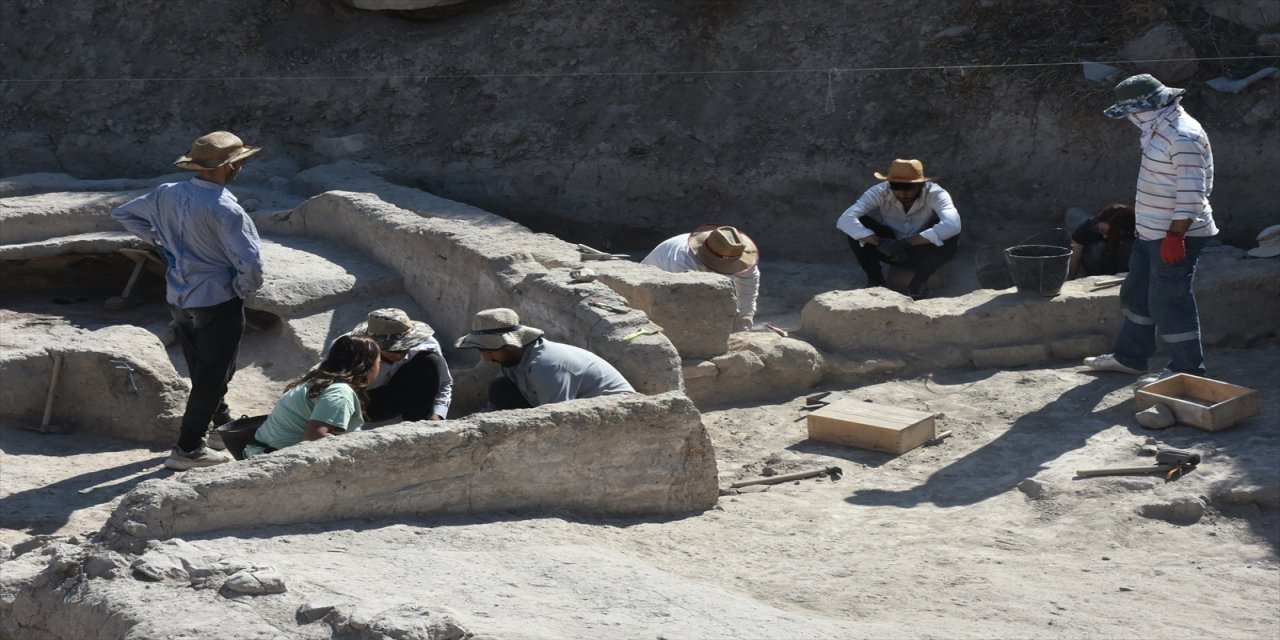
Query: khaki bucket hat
[
  {"x": 496, "y": 328},
  {"x": 213, "y": 150},
  {"x": 393, "y": 330}
]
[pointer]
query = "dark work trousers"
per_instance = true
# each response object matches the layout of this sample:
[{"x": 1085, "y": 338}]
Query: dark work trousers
[
  {"x": 210, "y": 339},
  {"x": 411, "y": 391},
  {"x": 924, "y": 258},
  {"x": 504, "y": 394}
]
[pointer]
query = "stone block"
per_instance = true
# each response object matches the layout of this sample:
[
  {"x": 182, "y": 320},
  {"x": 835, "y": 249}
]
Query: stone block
[{"x": 1079, "y": 347}]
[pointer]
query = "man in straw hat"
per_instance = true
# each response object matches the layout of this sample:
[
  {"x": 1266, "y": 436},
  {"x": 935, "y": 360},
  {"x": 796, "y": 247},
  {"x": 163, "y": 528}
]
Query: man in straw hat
[
  {"x": 719, "y": 249},
  {"x": 907, "y": 220},
  {"x": 1174, "y": 222},
  {"x": 212, "y": 249},
  {"x": 414, "y": 382},
  {"x": 537, "y": 371}
]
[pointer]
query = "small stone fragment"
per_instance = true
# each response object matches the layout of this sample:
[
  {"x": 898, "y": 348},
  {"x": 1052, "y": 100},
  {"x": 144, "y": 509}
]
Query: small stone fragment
[{"x": 1157, "y": 416}]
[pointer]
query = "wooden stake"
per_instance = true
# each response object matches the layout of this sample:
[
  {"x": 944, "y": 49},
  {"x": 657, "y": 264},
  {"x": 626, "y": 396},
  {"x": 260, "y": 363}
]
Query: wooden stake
[{"x": 53, "y": 385}]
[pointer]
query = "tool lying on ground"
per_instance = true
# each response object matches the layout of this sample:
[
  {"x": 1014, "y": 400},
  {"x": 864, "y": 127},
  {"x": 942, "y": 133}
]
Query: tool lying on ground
[
  {"x": 643, "y": 331},
  {"x": 140, "y": 258},
  {"x": 778, "y": 330},
  {"x": 1169, "y": 461},
  {"x": 587, "y": 253},
  {"x": 608, "y": 306},
  {"x": 937, "y": 440},
  {"x": 833, "y": 472},
  {"x": 820, "y": 400},
  {"x": 1107, "y": 285}
]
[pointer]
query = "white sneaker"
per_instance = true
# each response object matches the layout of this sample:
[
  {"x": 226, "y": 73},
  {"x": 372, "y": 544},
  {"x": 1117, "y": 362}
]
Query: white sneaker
[
  {"x": 201, "y": 457},
  {"x": 1155, "y": 377},
  {"x": 1108, "y": 362},
  {"x": 213, "y": 440}
]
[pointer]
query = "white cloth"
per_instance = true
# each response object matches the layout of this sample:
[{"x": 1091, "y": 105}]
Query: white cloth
[
  {"x": 673, "y": 256},
  {"x": 1175, "y": 178},
  {"x": 879, "y": 203}
]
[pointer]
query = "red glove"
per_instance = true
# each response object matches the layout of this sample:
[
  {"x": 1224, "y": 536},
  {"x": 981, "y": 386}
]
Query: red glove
[{"x": 1173, "y": 249}]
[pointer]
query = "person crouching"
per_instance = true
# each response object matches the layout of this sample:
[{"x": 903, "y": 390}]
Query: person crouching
[{"x": 325, "y": 401}]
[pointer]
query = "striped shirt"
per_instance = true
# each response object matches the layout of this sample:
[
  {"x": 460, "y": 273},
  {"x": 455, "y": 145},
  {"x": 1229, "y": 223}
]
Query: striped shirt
[
  {"x": 210, "y": 243},
  {"x": 1176, "y": 175}
]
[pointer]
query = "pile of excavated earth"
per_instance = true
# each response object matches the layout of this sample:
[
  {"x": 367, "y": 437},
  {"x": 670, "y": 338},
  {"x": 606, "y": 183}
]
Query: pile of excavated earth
[{"x": 611, "y": 517}]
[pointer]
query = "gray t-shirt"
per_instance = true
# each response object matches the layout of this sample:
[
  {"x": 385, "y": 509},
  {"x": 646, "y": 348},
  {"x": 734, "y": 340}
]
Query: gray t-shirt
[{"x": 554, "y": 372}]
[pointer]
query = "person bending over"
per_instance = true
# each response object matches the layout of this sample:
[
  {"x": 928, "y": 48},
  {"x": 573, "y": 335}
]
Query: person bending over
[
  {"x": 325, "y": 401},
  {"x": 1100, "y": 246},
  {"x": 414, "y": 382},
  {"x": 537, "y": 371}
]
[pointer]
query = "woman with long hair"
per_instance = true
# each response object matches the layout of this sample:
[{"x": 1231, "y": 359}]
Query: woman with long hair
[
  {"x": 1100, "y": 246},
  {"x": 325, "y": 401}
]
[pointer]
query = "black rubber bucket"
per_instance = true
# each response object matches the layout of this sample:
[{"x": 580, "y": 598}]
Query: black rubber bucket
[
  {"x": 1038, "y": 269},
  {"x": 239, "y": 433}
]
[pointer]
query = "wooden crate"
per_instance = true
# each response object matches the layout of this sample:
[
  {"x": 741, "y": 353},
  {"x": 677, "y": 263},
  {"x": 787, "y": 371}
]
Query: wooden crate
[
  {"x": 1200, "y": 402},
  {"x": 871, "y": 426}
]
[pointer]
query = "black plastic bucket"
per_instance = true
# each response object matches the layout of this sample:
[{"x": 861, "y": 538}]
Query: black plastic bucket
[
  {"x": 238, "y": 434},
  {"x": 1038, "y": 269}
]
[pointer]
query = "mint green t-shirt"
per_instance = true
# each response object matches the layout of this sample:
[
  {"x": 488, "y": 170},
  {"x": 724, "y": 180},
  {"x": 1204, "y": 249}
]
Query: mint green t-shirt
[{"x": 337, "y": 406}]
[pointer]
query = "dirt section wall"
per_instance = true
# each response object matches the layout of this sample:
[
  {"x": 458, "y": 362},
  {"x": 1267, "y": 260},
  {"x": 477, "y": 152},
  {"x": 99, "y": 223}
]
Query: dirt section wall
[
  {"x": 617, "y": 455},
  {"x": 621, "y": 122}
]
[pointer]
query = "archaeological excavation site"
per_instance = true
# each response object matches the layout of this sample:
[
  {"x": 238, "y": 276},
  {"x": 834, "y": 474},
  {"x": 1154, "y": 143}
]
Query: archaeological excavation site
[{"x": 920, "y": 448}]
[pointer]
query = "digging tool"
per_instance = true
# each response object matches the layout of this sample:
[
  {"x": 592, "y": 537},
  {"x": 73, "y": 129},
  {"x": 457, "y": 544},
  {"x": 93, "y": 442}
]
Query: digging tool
[
  {"x": 643, "y": 331},
  {"x": 48, "y": 399},
  {"x": 1169, "y": 455},
  {"x": 778, "y": 330},
  {"x": 608, "y": 307},
  {"x": 1171, "y": 471},
  {"x": 1107, "y": 285},
  {"x": 833, "y": 472},
  {"x": 937, "y": 440},
  {"x": 140, "y": 258},
  {"x": 587, "y": 253}
]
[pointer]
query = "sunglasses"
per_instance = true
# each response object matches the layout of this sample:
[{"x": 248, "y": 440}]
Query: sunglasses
[{"x": 904, "y": 186}]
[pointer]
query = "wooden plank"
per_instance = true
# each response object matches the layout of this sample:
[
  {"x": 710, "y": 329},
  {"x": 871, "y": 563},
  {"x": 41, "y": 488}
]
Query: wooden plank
[{"x": 871, "y": 426}]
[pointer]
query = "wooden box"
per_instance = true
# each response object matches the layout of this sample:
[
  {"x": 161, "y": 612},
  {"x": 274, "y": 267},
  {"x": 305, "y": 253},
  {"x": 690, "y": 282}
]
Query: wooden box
[
  {"x": 871, "y": 426},
  {"x": 1200, "y": 402}
]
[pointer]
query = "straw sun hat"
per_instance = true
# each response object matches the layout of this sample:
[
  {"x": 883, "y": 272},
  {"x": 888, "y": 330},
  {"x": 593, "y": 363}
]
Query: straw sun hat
[
  {"x": 215, "y": 149},
  {"x": 723, "y": 249},
  {"x": 905, "y": 171}
]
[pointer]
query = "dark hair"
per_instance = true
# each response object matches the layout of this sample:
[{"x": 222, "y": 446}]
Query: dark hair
[
  {"x": 1119, "y": 219},
  {"x": 349, "y": 361}
]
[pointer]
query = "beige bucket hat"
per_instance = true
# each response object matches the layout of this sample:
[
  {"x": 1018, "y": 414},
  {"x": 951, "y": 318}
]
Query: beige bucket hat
[
  {"x": 393, "y": 330},
  {"x": 723, "y": 249},
  {"x": 1268, "y": 243},
  {"x": 213, "y": 150},
  {"x": 496, "y": 328},
  {"x": 905, "y": 171}
]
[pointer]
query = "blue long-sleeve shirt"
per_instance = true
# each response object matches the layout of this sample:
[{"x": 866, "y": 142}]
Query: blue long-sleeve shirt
[{"x": 210, "y": 243}]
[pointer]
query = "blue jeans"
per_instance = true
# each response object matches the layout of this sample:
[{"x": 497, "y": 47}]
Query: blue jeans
[{"x": 1155, "y": 296}]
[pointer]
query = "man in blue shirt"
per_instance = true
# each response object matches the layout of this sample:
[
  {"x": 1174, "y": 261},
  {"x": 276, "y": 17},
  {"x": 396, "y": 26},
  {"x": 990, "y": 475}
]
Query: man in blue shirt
[{"x": 211, "y": 246}]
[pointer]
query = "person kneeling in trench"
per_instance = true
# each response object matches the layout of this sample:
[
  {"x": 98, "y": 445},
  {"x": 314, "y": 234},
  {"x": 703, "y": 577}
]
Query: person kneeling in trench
[
  {"x": 537, "y": 371},
  {"x": 325, "y": 401},
  {"x": 413, "y": 382}
]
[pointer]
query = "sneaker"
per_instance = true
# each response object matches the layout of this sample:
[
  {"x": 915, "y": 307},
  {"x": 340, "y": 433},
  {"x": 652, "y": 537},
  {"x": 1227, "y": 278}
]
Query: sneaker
[
  {"x": 1155, "y": 377},
  {"x": 1108, "y": 362},
  {"x": 213, "y": 440},
  {"x": 201, "y": 457}
]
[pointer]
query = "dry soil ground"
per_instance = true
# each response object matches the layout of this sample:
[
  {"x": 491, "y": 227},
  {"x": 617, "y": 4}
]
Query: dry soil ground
[{"x": 988, "y": 534}]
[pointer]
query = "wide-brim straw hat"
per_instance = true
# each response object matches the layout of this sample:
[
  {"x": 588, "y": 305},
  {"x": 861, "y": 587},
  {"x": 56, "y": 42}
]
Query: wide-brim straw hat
[
  {"x": 1142, "y": 92},
  {"x": 497, "y": 328},
  {"x": 393, "y": 330},
  {"x": 213, "y": 150},
  {"x": 723, "y": 249},
  {"x": 1268, "y": 243},
  {"x": 905, "y": 171}
]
